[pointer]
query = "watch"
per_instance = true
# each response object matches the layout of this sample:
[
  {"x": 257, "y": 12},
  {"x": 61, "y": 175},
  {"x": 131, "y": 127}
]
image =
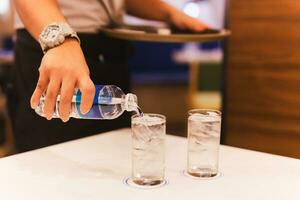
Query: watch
[{"x": 55, "y": 34}]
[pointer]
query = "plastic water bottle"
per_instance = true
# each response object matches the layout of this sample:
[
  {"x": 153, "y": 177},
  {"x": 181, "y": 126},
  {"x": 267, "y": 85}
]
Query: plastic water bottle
[{"x": 109, "y": 103}]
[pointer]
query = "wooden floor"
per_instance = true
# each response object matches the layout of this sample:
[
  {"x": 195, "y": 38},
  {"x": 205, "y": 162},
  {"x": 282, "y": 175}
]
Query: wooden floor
[{"x": 263, "y": 76}]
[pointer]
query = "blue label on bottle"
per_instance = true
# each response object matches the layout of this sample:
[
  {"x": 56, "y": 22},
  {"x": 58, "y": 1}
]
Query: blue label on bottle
[{"x": 94, "y": 112}]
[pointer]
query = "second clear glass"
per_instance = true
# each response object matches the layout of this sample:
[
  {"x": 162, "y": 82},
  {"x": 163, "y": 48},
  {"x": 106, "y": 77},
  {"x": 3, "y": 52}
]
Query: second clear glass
[{"x": 204, "y": 127}]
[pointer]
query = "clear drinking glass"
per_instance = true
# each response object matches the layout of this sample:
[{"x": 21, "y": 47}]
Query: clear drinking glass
[
  {"x": 148, "y": 149},
  {"x": 204, "y": 128}
]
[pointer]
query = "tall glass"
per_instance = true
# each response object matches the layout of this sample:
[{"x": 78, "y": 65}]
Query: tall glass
[
  {"x": 204, "y": 127},
  {"x": 148, "y": 149}
]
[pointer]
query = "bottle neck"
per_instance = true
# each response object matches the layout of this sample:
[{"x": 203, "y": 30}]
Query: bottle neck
[{"x": 130, "y": 102}]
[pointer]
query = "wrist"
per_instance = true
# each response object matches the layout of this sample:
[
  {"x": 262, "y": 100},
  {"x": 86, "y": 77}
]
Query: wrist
[
  {"x": 71, "y": 41},
  {"x": 68, "y": 45}
]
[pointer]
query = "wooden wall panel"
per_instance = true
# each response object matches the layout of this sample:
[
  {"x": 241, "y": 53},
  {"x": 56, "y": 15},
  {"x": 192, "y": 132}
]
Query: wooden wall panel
[{"x": 263, "y": 76}]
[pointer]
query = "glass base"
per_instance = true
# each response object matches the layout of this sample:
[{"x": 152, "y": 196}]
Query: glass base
[
  {"x": 203, "y": 172},
  {"x": 144, "y": 184},
  {"x": 202, "y": 176}
]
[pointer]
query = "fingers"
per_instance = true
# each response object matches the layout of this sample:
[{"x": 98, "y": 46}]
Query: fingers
[
  {"x": 200, "y": 27},
  {"x": 67, "y": 92},
  {"x": 66, "y": 86},
  {"x": 39, "y": 90},
  {"x": 87, "y": 89},
  {"x": 51, "y": 97},
  {"x": 189, "y": 23},
  {"x": 195, "y": 25}
]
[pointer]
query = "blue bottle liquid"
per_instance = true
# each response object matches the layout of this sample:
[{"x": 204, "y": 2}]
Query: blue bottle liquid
[{"x": 109, "y": 103}]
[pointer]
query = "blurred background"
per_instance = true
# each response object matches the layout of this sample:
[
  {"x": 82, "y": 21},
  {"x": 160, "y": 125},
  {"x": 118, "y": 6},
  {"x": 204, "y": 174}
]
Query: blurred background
[{"x": 253, "y": 77}]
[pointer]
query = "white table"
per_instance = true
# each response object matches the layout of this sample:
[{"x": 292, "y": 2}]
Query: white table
[{"x": 93, "y": 169}]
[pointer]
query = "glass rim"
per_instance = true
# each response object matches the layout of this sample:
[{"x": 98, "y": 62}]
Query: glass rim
[
  {"x": 151, "y": 115},
  {"x": 195, "y": 111}
]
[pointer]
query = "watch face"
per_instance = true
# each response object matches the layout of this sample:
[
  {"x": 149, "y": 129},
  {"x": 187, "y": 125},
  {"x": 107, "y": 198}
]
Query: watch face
[{"x": 51, "y": 34}]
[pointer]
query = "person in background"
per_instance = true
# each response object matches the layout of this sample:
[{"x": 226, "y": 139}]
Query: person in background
[{"x": 61, "y": 66}]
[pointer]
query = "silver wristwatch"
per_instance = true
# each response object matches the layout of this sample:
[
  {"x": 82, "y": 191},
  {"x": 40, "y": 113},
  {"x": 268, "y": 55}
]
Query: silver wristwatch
[{"x": 55, "y": 34}]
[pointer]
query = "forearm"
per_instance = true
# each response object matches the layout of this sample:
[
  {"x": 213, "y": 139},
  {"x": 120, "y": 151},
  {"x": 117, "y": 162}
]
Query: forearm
[
  {"x": 150, "y": 9},
  {"x": 36, "y": 14}
]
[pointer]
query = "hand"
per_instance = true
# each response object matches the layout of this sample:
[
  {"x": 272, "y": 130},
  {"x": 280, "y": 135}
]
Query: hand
[
  {"x": 63, "y": 69},
  {"x": 184, "y": 22}
]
